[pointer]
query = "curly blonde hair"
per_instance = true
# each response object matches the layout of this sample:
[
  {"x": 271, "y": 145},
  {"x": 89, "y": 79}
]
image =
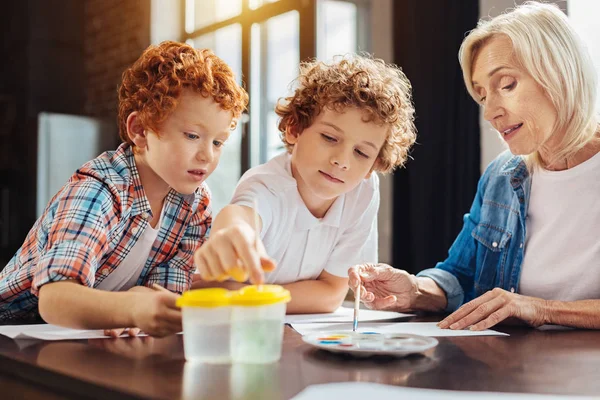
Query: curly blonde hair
[
  {"x": 153, "y": 84},
  {"x": 380, "y": 90}
]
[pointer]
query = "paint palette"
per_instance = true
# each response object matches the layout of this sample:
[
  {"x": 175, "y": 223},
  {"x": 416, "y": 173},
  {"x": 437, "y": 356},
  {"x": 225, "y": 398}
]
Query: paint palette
[{"x": 365, "y": 344}]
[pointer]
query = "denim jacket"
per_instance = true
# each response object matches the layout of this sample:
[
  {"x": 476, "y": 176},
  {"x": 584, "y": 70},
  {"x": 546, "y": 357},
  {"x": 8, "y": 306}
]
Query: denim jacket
[{"x": 488, "y": 251}]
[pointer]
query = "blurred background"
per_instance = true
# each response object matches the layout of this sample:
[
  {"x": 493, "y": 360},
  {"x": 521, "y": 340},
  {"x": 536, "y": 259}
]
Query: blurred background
[{"x": 63, "y": 60}]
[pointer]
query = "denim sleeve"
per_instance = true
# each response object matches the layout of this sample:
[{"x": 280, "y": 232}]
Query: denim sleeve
[
  {"x": 455, "y": 275},
  {"x": 448, "y": 283}
]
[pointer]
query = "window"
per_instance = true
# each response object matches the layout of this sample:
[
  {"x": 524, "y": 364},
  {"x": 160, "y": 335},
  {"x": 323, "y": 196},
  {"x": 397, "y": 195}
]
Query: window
[
  {"x": 275, "y": 59},
  {"x": 582, "y": 14},
  {"x": 264, "y": 41},
  {"x": 341, "y": 27},
  {"x": 226, "y": 42}
]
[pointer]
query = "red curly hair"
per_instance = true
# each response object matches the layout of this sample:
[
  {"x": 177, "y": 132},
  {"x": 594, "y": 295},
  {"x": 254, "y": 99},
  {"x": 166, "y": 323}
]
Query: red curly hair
[
  {"x": 380, "y": 90},
  {"x": 153, "y": 84}
]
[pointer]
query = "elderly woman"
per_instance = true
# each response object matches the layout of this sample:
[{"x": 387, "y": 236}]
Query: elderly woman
[{"x": 530, "y": 245}]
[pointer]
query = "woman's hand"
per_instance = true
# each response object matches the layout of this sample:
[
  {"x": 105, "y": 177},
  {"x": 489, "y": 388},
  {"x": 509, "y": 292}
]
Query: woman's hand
[
  {"x": 384, "y": 287},
  {"x": 494, "y": 307}
]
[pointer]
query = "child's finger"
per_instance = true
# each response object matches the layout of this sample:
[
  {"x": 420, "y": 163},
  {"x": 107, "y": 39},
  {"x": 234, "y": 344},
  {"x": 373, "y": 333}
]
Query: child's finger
[
  {"x": 238, "y": 273},
  {"x": 250, "y": 260},
  {"x": 226, "y": 260},
  {"x": 133, "y": 331},
  {"x": 203, "y": 268},
  {"x": 257, "y": 276},
  {"x": 267, "y": 264},
  {"x": 213, "y": 262},
  {"x": 115, "y": 333}
]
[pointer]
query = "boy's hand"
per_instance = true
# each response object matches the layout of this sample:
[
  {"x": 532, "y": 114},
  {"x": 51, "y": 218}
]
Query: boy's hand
[
  {"x": 132, "y": 332},
  {"x": 233, "y": 252},
  {"x": 157, "y": 314}
]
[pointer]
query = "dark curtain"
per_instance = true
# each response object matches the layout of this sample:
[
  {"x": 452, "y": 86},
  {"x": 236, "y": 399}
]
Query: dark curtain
[{"x": 438, "y": 185}]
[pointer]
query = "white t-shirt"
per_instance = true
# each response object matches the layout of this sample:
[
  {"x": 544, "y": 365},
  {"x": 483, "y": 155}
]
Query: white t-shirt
[
  {"x": 126, "y": 275},
  {"x": 301, "y": 244},
  {"x": 562, "y": 247}
]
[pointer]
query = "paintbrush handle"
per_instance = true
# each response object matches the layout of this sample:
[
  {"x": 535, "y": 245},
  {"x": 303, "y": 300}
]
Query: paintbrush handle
[
  {"x": 256, "y": 230},
  {"x": 356, "y": 307}
]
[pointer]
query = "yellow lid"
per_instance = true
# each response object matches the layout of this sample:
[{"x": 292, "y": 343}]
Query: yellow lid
[
  {"x": 215, "y": 297},
  {"x": 268, "y": 294}
]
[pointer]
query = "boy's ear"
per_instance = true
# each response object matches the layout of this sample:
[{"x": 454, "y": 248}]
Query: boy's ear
[
  {"x": 135, "y": 130},
  {"x": 291, "y": 135},
  {"x": 375, "y": 165}
]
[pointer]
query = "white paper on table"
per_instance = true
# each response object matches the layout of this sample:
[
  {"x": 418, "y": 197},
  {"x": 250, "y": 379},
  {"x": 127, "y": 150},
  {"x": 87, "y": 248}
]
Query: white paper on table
[
  {"x": 344, "y": 314},
  {"x": 52, "y": 332},
  {"x": 416, "y": 328},
  {"x": 364, "y": 390}
]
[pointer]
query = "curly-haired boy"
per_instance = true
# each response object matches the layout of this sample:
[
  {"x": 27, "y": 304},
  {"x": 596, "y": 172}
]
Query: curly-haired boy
[
  {"x": 317, "y": 203},
  {"x": 132, "y": 217}
]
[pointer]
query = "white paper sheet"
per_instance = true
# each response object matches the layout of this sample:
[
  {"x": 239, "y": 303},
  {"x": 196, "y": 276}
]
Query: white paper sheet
[
  {"x": 51, "y": 332},
  {"x": 416, "y": 328},
  {"x": 363, "y": 390},
  {"x": 344, "y": 314}
]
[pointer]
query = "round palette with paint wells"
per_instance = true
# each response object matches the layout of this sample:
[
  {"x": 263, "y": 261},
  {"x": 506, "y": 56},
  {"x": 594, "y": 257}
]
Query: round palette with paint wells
[{"x": 366, "y": 344}]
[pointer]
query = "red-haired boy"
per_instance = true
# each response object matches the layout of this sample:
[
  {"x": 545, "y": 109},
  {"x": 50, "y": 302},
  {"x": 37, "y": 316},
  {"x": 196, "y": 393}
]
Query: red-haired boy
[{"x": 132, "y": 217}]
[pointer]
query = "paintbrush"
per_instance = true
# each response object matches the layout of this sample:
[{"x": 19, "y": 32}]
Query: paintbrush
[
  {"x": 256, "y": 231},
  {"x": 356, "y": 305}
]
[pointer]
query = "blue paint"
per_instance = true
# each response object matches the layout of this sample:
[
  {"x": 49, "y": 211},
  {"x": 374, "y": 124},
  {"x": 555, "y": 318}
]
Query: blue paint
[
  {"x": 330, "y": 342},
  {"x": 370, "y": 333}
]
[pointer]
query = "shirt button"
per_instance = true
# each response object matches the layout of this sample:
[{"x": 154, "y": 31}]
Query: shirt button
[
  {"x": 145, "y": 215},
  {"x": 521, "y": 246},
  {"x": 105, "y": 271},
  {"x": 135, "y": 230},
  {"x": 495, "y": 244},
  {"x": 512, "y": 289}
]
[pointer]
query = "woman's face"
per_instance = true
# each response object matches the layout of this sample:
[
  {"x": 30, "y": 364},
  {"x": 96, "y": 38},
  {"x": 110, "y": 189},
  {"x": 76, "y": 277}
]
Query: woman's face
[{"x": 514, "y": 103}]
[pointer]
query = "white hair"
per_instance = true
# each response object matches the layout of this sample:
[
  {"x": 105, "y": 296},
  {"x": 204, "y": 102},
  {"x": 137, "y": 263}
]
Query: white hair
[{"x": 548, "y": 48}]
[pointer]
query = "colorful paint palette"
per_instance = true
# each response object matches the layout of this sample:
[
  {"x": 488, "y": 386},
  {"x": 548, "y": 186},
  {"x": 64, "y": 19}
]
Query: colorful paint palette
[{"x": 365, "y": 344}]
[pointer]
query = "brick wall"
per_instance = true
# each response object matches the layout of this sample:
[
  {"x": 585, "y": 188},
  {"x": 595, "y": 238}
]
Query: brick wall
[
  {"x": 66, "y": 56},
  {"x": 116, "y": 32},
  {"x": 43, "y": 72}
]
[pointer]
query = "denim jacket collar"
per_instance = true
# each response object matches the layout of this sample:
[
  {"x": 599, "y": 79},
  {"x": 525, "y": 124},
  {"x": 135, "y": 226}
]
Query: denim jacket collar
[{"x": 516, "y": 168}]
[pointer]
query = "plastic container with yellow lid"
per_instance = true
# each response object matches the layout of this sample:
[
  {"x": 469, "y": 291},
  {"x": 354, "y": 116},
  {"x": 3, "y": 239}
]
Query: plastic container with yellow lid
[
  {"x": 206, "y": 325},
  {"x": 257, "y": 319}
]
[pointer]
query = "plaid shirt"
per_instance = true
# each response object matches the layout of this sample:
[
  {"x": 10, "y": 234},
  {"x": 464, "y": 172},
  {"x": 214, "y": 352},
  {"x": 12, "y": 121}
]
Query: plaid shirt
[{"x": 89, "y": 227}]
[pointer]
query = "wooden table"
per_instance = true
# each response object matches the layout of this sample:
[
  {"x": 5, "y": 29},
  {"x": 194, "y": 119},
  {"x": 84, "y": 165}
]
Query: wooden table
[{"x": 559, "y": 362}]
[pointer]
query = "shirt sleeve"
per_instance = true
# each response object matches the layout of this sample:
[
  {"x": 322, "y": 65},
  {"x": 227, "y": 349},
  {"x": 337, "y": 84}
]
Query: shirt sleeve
[
  {"x": 176, "y": 274},
  {"x": 250, "y": 189},
  {"x": 358, "y": 243},
  {"x": 77, "y": 234}
]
